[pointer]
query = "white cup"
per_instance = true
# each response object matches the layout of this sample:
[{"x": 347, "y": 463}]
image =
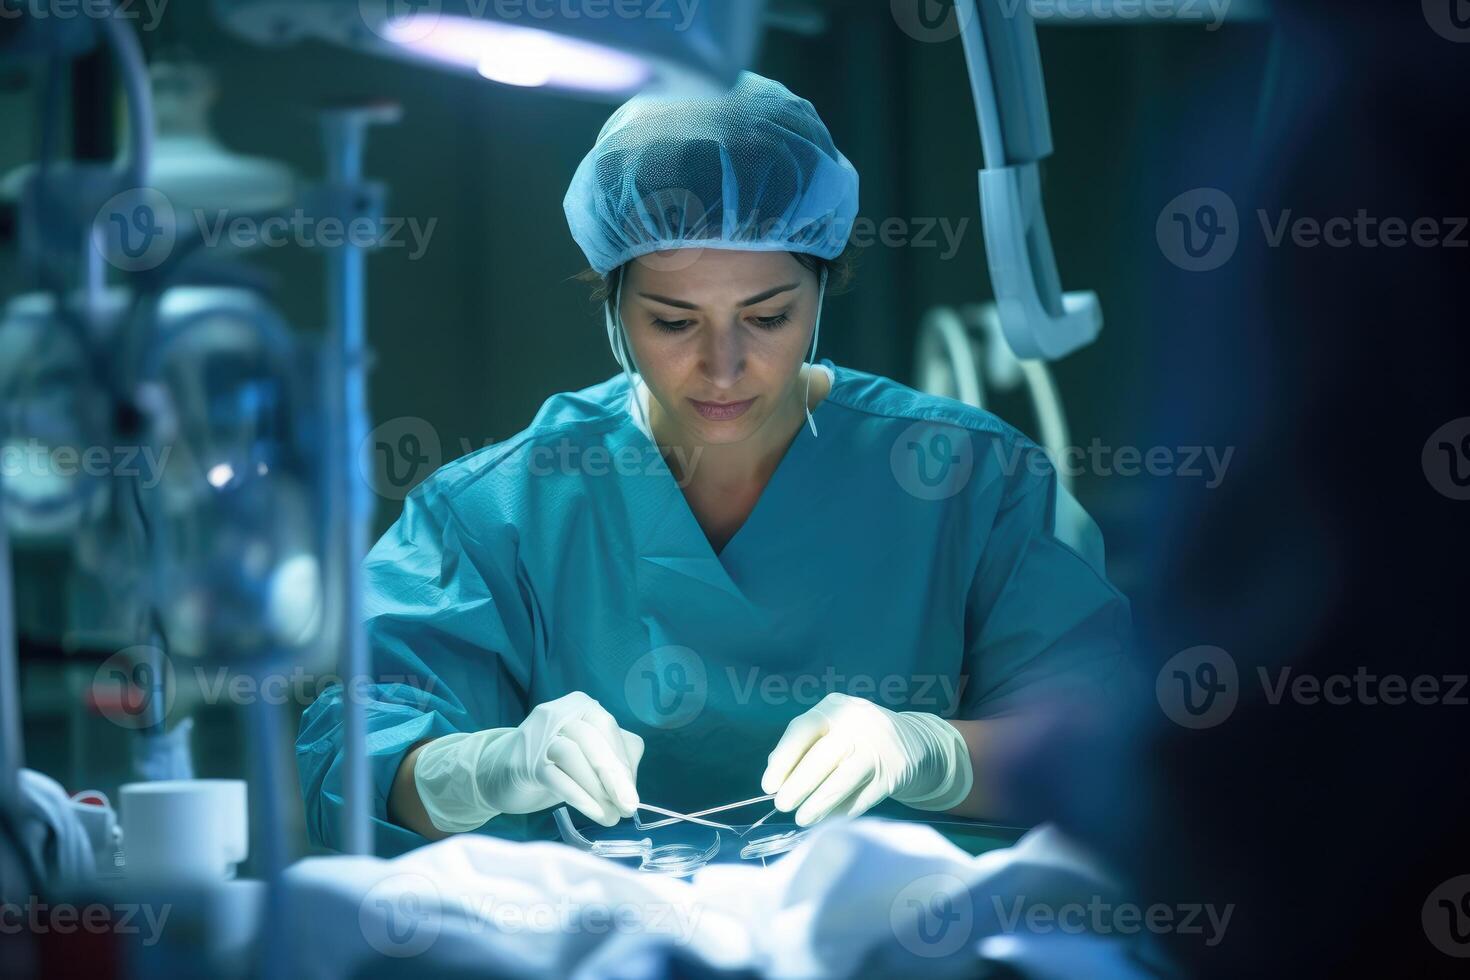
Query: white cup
[{"x": 185, "y": 829}]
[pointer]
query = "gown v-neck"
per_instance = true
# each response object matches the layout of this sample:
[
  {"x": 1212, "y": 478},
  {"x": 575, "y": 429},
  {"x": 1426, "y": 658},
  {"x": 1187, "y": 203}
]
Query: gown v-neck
[{"x": 768, "y": 499}]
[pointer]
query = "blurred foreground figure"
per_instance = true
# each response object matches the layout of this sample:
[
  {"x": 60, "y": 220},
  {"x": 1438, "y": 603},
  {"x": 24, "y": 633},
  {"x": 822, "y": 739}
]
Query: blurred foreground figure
[{"x": 1299, "y": 754}]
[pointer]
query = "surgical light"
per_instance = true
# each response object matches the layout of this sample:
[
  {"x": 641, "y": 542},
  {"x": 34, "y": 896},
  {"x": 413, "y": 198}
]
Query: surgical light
[
  {"x": 604, "y": 52},
  {"x": 220, "y": 475},
  {"x": 523, "y": 56}
]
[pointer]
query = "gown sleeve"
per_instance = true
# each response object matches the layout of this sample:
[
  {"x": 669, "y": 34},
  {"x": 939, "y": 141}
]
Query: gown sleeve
[
  {"x": 447, "y": 611},
  {"x": 1041, "y": 618}
]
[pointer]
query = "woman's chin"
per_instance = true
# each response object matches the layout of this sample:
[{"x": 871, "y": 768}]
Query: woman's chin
[{"x": 721, "y": 433}]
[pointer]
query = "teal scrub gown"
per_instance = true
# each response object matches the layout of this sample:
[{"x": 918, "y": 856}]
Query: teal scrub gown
[{"x": 916, "y": 552}]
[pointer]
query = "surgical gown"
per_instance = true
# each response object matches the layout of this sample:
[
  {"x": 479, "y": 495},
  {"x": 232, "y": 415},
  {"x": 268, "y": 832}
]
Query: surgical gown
[{"x": 917, "y": 552}]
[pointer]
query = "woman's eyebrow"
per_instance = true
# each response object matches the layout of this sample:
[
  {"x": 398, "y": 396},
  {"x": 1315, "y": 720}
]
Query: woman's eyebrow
[{"x": 758, "y": 298}]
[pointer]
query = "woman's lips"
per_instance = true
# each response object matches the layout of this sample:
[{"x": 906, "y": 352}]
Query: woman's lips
[{"x": 722, "y": 411}]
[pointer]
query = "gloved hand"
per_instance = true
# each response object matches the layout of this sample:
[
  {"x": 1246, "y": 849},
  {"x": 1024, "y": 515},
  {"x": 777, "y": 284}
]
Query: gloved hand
[
  {"x": 846, "y": 754},
  {"x": 566, "y": 751}
]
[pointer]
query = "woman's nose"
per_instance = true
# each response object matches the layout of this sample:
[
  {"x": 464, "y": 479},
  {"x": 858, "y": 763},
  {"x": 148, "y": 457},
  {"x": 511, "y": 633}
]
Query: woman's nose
[{"x": 723, "y": 357}]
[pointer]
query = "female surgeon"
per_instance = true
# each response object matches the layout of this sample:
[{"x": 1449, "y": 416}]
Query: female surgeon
[{"x": 731, "y": 569}]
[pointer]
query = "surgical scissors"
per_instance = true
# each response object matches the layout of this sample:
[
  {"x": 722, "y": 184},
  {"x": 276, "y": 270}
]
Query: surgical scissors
[{"x": 675, "y": 817}]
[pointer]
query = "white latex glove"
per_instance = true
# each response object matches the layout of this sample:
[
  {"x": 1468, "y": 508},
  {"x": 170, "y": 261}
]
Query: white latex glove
[
  {"x": 846, "y": 755},
  {"x": 566, "y": 751}
]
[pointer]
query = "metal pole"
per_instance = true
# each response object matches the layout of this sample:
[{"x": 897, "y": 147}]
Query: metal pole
[
  {"x": 12, "y": 754},
  {"x": 345, "y": 320},
  {"x": 345, "y": 133}
]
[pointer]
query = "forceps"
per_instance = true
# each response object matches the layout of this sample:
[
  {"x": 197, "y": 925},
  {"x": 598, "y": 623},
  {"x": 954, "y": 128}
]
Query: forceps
[
  {"x": 760, "y": 821},
  {"x": 675, "y": 817}
]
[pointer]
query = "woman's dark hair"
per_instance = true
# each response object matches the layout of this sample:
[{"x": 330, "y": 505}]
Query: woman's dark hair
[{"x": 840, "y": 274}]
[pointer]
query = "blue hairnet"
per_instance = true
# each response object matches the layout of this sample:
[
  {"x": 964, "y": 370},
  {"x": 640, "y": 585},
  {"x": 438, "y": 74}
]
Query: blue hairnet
[{"x": 754, "y": 169}]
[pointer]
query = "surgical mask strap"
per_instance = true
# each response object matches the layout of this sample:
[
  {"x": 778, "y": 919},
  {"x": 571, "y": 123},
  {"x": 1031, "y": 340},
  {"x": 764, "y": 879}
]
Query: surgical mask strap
[
  {"x": 617, "y": 339},
  {"x": 812, "y": 361}
]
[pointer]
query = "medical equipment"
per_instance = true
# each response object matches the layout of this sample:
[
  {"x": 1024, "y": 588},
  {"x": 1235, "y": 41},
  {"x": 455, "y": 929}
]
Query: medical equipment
[
  {"x": 158, "y": 372},
  {"x": 1031, "y": 320},
  {"x": 1039, "y": 320},
  {"x": 50, "y": 407},
  {"x": 676, "y": 859},
  {"x": 698, "y": 47},
  {"x": 347, "y": 193},
  {"x": 215, "y": 480},
  {"x": 166, "y": 372},
  {"x": 769, "y": 814},
  {"x": 679, "y": 858},
  {"x": 10, "y": 738},
  {"x": 236, "y": 557},
  {"x": 676, "y": 817},
  {"x": 963, "y": 354},
  {"x": 56, "y": 251},
  {"x": 192, "y": 169},
  {"x": 765, "y": 847},
  {"x": 756, "y": 848},
  {"x": 226, "y": 556},
  {"x": 602, "y": 848}
]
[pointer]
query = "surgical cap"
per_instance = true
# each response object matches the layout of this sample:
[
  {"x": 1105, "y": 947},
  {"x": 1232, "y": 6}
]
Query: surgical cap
[{"x": 754, "y": 169}]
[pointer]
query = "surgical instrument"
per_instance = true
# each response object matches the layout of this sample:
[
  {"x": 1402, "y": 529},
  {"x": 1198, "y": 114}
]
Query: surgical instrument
[{"x": 675, "y": 817}]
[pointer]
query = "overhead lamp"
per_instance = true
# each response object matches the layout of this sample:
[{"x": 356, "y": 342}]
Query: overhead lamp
[{"x": 600, "y": 49}]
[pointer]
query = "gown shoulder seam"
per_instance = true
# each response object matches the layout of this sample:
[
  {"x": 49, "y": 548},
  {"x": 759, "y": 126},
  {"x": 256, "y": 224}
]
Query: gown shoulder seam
[
  {"x": 478, "y": 467},
  {"x": 902, "y": 403}
]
